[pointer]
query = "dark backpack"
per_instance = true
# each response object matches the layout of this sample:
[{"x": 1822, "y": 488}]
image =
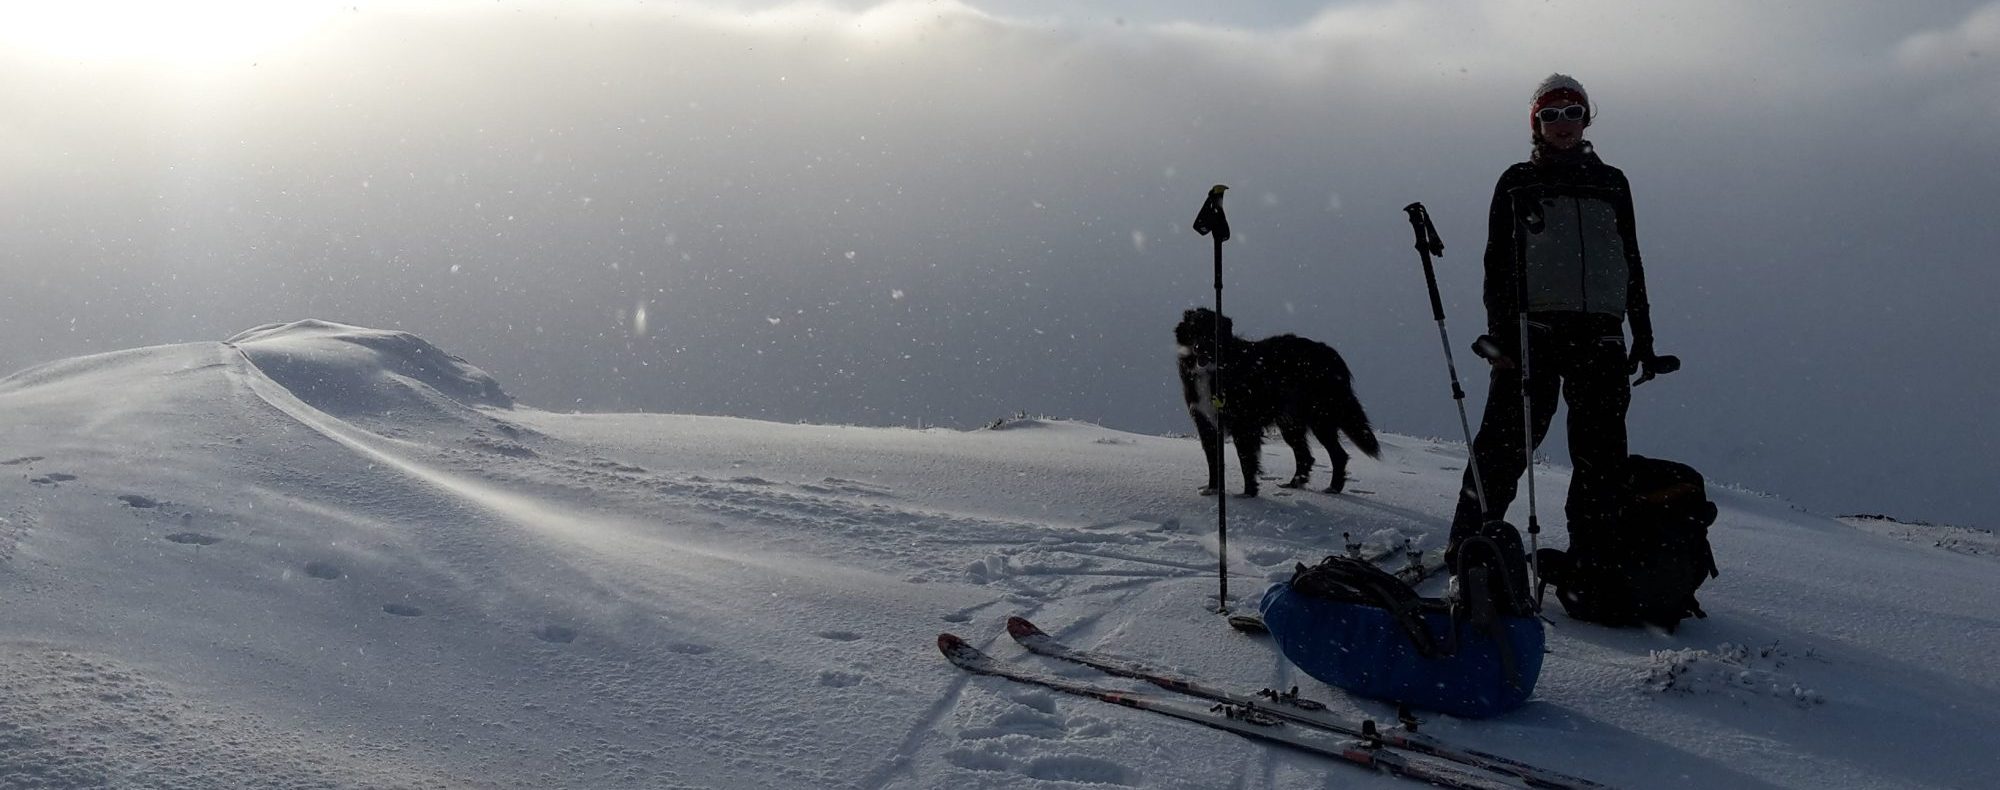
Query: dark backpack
[
  {"x": 1646, "y": 570},
  {"x": 1492, "y": 581},
  {"x": 1492, "y": 572}
]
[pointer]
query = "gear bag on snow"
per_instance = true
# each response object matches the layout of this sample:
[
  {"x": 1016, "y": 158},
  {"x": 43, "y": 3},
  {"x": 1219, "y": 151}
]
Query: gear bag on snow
[
  {"x": 1351, "y": 625},
  {"x": 1646, "y": 570}
]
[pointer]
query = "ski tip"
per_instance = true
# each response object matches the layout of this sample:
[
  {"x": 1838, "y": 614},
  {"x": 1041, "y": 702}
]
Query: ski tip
[
  {"x": 950, "y": 643},
  {"x": 1019, "y": 627}
]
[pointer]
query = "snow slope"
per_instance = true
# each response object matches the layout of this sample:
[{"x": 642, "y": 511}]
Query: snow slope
[{"x": 319, "y": 555}]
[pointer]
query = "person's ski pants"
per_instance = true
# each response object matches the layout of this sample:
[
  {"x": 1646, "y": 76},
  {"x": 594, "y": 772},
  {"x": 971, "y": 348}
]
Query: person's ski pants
[{"x": 1587, "y": 366}]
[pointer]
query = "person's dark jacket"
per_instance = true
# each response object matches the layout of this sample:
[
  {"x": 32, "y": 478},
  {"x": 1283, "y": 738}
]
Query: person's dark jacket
[{"x": 1577, "y": 237}]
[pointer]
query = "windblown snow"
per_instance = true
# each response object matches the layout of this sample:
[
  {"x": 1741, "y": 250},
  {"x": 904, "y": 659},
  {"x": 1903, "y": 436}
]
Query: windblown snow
[{"x": 319, "y": 555}]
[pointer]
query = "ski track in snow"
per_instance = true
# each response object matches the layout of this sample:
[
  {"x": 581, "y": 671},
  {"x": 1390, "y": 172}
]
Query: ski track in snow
[
  {"x": 1065, "y": 562},
  {"x": 1045, "y": 570},
  {"x": 304, "y": 566}
]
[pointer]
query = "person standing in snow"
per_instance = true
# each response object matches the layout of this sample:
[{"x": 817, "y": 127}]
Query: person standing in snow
[{"x": 1563, "y": 219}]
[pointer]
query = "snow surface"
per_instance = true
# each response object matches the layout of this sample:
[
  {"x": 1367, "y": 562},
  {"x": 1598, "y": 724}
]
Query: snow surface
[{"x": 326, "y": 556}]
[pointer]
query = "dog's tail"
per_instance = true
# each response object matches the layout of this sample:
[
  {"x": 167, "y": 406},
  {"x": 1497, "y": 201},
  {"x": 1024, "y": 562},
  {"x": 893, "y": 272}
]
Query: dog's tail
[{"x": 1354, "y": 423}]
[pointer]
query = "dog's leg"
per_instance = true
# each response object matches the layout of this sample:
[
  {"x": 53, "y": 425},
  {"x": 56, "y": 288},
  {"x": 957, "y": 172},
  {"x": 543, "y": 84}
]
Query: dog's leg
[
  {"x": 1210, "y": 445},
  {"x": 1249, "y": 452},
  {"x": 1328, "y": 432},
  {"x": 1302, "y": 455}
]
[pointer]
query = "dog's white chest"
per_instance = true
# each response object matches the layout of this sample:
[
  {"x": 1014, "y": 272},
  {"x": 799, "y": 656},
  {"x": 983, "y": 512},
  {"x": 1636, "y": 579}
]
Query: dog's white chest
[{"x": 1204, "y": 390}]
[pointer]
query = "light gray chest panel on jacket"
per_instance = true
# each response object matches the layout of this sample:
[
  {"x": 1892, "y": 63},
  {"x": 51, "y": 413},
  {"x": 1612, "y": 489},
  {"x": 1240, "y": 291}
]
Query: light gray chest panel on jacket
[{"x": 1574, "y": 255}]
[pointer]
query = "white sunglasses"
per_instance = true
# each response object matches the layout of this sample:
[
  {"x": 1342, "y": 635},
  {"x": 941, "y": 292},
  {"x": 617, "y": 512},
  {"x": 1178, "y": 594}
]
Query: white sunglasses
[{"x": 1574, "y": 112}]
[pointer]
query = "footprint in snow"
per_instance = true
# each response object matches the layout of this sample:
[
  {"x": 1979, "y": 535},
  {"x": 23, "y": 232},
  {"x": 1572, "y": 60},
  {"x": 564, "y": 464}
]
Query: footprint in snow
[
  {"x": 323, "y": 570},
  {"x": 1080, "y": 769},
  {"x": 138, "y": 501},
  {"x": 838, "y": 636},
  {"x": 976, "y": 760},
  {"x": 1027, "y": 723},
  {"x": 1268, "y": 556},
  {"x": 1038, "y": 700},
  {"x": 194, "y": 539},
  {"x": 556, "y": 634},
  {"x": 26, "y": 459},
  {"x": 52, "y": 478},
  {"x": 606, "y": 463},
  {"x": 839, "y": 680},
  {"x": 1057, "y": 768},
  {"x": 402, "y": 610},
  {"x": 844, "y": 487}
]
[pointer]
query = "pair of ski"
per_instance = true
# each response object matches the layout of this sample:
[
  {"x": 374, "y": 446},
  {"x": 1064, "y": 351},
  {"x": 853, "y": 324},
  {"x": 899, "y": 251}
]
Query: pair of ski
[{"x": 1282, "y": 718}]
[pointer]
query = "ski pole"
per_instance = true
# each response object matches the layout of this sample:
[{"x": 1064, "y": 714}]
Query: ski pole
[
  {"x": 1428, "y": 244},
  {"x": 1211, "y": 222},
  {"x": 1527, "y": 401}
]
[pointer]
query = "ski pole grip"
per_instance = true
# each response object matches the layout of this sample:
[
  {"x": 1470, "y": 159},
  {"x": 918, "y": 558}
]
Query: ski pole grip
[
  {"x": 1428, "y": 245},
  {"x": 1427, "y": 235}
]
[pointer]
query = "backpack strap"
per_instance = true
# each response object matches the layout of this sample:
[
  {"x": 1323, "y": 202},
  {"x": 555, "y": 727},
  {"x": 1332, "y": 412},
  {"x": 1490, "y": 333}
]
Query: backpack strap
[
  {"x": 1356, "y": 581},
  {"x": 1486, "y": 593}
]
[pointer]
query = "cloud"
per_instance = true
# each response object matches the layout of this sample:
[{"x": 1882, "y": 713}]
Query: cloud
[
  {"x": 1959, "y": 65},
  {"x": 1971, "y": 46},
  {"x": 1026, "y": 181}
]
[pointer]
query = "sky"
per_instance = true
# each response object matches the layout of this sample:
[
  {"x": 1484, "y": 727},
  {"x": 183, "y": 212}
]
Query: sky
[{"x": 940, "y": 213}]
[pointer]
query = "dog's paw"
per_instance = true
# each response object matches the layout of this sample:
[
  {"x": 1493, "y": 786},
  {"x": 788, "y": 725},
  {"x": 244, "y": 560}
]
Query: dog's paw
[{"x": 1207, "y": 491}]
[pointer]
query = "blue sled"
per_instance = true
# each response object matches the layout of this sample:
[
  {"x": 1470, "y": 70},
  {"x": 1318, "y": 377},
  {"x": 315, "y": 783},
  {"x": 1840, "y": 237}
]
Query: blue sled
[{"x": 1362, "y": 650}]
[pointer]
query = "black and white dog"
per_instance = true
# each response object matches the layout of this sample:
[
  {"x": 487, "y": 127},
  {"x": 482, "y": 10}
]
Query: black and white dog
[{"x": 1296, "y": 384}]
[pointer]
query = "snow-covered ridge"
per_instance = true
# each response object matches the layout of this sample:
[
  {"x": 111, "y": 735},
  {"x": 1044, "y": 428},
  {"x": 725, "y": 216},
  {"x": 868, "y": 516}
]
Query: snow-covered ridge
[
  {"x": 1974, "y": 541},
  {"x": 338, "y": 546},
  {"x": 343, "y": 369}
]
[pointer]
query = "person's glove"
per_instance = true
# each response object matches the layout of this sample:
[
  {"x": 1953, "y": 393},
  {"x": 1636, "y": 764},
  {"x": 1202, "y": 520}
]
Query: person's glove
[
  {"x": 1649, "y": 365},
  {"x": 1488, "y": 348},
  {"x": 1642, "y": 354}
]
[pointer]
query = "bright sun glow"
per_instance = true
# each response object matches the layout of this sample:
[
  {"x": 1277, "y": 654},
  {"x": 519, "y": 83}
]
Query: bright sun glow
[{"x": 180, "y": 30}]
